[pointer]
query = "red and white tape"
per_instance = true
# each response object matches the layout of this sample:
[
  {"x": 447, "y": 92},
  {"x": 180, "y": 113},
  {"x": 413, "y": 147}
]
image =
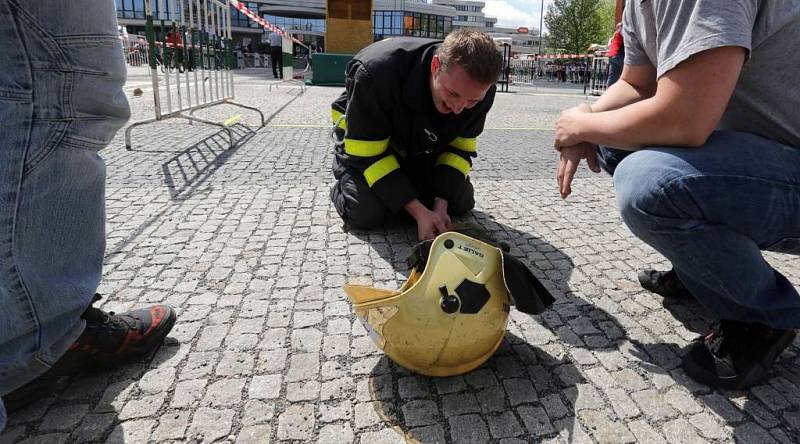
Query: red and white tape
[
  {"x": 563, "y": 56},
  {"x": 265, "y": 24}
]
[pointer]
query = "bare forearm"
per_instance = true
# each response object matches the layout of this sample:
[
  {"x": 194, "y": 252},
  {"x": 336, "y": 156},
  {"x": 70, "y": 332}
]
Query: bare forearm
[
  {"x": 620, "y": 94},
  {"x": 645, "y": 123}
]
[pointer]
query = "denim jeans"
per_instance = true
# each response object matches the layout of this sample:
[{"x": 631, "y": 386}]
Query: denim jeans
[
  {"x": 61, "y": 101},
  {"x": 615, "y": 65},
  {"x": 711, "y": 211}
]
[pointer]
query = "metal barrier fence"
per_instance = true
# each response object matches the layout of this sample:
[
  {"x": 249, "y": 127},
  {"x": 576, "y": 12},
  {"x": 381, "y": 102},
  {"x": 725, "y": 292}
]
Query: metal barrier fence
[
  {"x": 134, "y": 49},
  {"x": 252, "y": 60},
  {"x": 288, "y": 69},
  {"x": 195, "y": 56},
  {"x": 529, "y": 71},
  {"x": 599, "y": 76},
  {"x": 523, "y": 72}
]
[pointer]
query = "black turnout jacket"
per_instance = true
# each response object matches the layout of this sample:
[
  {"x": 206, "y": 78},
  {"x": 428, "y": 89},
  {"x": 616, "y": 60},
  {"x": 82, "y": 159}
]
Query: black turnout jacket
[{"x": 390, "y": 123}]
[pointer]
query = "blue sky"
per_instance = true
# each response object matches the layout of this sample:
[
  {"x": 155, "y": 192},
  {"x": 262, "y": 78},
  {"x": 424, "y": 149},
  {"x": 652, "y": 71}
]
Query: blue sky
[{"x": 515, "y": 13}]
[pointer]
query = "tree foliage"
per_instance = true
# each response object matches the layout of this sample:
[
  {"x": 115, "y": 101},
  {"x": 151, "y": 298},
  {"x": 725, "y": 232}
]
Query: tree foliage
[
  {"x": 605, "y": 13},
  {"x": 575, "y": 24}
]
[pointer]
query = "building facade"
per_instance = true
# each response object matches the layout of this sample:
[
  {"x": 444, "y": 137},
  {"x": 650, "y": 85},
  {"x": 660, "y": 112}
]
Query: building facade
[
  {"x": 469, "y": 14},
  {"x": 131, "y": 14},
  {"x": 390, "y": 18},
  {"x": 305, "y": 19},
  {"x": 523, "y": 40}
]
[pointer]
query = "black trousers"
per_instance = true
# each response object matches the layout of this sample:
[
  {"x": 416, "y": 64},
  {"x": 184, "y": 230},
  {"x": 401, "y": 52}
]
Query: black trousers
[
  {"x": 276, "y": 57},
  {"x": 359, "y": 207}
]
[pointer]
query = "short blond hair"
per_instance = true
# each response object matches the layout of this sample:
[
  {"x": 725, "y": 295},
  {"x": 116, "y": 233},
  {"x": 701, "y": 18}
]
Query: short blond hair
[{"x": 474, "y": 51}]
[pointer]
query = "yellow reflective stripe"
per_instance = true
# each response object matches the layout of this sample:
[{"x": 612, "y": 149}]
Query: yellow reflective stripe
[
  {"x": 455, "y": 161},
  {"x": 335, "y": 115},
  {"x": 365, "y": 148},
  {"x": 381, "y": 168},
  {"x": 469, "y": 144}
]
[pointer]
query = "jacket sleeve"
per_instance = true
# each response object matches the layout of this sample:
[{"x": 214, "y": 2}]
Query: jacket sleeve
[
  {"x": 367, "y": 127},
  {"x": 454, "y": 164}
]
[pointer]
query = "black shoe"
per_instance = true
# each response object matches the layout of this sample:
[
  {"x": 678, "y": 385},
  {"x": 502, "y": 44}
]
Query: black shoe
[
  {"x": 665, "y": 283},
  {"x": 109, "y": 340},
  {"x": 735, "y": 355}
]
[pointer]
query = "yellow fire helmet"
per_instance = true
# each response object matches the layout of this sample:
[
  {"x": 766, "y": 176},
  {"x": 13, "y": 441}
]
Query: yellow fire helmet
[{"x": 450, "y": 316}]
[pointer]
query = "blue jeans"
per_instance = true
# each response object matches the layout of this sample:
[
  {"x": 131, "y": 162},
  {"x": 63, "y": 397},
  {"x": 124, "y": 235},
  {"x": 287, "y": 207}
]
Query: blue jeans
[
  {"x": 61, "y": 101},
  {"x": 615, "y": 65},
  {"x": 711, "y": 211}
]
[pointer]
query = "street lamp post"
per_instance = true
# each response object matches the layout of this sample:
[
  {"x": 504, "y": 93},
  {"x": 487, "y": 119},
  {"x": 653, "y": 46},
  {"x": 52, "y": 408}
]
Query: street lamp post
[{"x": 541, "y": 21}]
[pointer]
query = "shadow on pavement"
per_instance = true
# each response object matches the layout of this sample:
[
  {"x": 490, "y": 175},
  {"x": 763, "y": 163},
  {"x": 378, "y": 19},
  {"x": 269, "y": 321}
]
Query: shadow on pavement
[
  {"x": 772, "y": 404},
  {"x": 190, "y": 168},
  {"x": 459, "y": 408},
  {"x": 95, "y": 397}
]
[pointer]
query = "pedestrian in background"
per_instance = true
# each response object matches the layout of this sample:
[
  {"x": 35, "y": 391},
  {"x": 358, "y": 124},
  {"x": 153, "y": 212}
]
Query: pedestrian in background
[
  {"x": 616, "y": 55},
  {"x": 276, "y": 54}
]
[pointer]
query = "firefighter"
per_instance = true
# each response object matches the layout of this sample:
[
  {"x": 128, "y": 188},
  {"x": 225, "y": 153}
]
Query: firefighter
[{"x": 406, "y": 129}]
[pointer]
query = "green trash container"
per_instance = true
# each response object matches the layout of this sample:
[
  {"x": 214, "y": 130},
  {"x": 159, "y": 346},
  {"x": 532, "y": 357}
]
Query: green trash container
[{"x": 328, "y": 69}]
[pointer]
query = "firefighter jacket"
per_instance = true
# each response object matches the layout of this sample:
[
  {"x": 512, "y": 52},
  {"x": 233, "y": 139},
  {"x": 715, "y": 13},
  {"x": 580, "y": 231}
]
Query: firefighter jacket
[{"x": 390, "y": 122}]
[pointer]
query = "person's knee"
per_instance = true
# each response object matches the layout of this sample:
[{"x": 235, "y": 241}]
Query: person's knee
[
  {"x": 366, "y": 216},
  {"x": 644, "y": 182},
  {"x": 357, "y": 205}
]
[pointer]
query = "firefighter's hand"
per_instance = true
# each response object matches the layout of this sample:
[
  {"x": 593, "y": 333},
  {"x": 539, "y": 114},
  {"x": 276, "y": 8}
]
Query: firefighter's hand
[
  {"x": 430, "y": 224},
  {"x": 569, "y": 126},
  {"x": 440, "y": 208},
  {"x": 568, "y": 163}
]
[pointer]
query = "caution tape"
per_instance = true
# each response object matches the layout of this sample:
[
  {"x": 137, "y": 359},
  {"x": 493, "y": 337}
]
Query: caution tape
[
  {"x": 563, "y": 56},
  {"x": 265, "y": 24}
]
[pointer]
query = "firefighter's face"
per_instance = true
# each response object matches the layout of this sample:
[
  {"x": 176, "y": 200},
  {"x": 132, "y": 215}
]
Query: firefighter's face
[{"x": 453, "y": 89}]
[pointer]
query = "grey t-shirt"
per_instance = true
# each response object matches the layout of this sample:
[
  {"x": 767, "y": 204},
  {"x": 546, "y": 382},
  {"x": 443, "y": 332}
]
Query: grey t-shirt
[{"x": 766, "y": 100}]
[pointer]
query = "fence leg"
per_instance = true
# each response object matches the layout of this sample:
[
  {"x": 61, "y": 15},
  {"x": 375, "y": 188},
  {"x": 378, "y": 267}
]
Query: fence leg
[
  {"x": 263, "y": 121},
  {"x": 128, "y": 145},
  {"x": 208, "y": 122}
]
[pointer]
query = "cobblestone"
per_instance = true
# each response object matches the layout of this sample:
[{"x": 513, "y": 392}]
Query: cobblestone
[
  {"x": 245, "y": 244},
  {"x": 504, "y": 425},
  {"x": 680, "y": 431},
  {"x": 468, "y": 428},
  {"x": 209, "y": 425},
  {"x": 653, "y": 405},
  {"x": 459, "y": 404},
  {"x": 603, "y": 428},
  {"x": 296, "y": 422}
]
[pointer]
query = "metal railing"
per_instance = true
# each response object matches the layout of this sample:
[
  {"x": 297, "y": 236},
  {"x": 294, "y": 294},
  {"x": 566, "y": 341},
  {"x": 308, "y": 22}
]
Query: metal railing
[
  {"x": 191, "y": 62},
  {"x": 135, "y": 50},
  {"x": 598, "y": 78}
]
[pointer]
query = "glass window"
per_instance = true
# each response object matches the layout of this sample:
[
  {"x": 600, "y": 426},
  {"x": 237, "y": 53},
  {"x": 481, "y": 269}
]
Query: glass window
[{"x": 397, "y": 23}]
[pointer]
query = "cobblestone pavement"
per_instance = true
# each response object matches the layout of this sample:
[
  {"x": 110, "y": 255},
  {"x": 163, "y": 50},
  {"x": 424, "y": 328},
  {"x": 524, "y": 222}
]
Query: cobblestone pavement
[{"x": 244, "y": 242}]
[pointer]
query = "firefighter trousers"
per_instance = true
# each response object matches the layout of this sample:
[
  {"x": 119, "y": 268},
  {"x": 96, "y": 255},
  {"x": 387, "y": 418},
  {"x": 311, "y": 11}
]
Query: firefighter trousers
[{"x": 359, "y": 207}]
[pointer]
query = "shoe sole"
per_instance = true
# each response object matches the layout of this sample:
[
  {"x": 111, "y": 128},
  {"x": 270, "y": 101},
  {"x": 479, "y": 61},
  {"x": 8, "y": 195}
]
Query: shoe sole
[{"x": 750, "y": 378}]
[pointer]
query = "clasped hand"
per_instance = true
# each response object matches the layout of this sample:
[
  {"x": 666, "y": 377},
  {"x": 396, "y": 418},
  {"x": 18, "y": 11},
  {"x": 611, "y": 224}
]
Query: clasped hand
[{"x": 572, "y": 148}]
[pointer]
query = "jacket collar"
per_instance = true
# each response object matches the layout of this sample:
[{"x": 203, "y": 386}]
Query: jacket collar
[{"x": 417, "y": 89}]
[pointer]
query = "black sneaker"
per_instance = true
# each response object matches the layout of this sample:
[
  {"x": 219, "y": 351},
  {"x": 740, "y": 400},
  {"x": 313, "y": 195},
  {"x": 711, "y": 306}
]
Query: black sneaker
[
  {"x": 735, "y": 355},
  {"x": 109, "y": 340},
  {"x": 665, "y": 283}
]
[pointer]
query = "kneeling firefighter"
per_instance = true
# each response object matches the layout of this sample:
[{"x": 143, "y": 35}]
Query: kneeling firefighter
[{"x": 451, "y": 314}]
